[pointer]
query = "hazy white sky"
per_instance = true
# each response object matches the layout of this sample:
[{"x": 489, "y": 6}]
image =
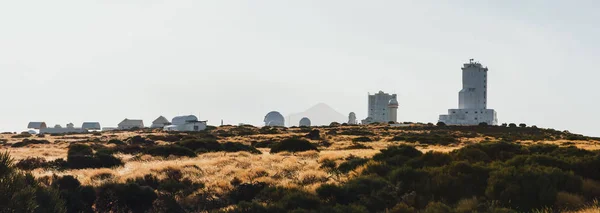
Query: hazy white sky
[{"x": 80, "y": 60}]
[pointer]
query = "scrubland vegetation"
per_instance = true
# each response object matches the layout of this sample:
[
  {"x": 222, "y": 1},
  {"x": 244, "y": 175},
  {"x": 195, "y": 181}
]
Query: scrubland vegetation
[{"x": 337, "y": 168}]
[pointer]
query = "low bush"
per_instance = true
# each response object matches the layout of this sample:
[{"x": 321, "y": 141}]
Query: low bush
[
  {"x": 438, "y": 138},
  {"x": 314, "y": 134},
  {"x": 293, "y": 145},
  {"x": 167, "y": 137},
  {"x": 130, "y": 197},
  {"x": 22, "y": 192},
  {"x": 116, "y": 142},
  {"x": 139, "y": 140},
  {"x": 81, "y": 156},
  {"x": 362, "y": 139},
  {"x": 357, "y": 146},
  {"x": 32, "y": 163},
  {"x": 211, "y": 145},
  {"x": 22, "y": 135},
  {"x": 357, "y": 132},
  {"x": 168, "y": 150},
  {"x": 26, "y": 142},
  {"x": 263, "y": 144}
]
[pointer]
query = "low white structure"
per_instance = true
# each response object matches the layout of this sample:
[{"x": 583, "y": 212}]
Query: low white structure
[
  {"x": 160, "y": 122},
  {"x": 304, "y": 122},
  {"x": 274, "y": 118},
  {"x": 91, "y": 126},
  {"x": 37, "y": 125},
  {"x": 130, "y": 124},
  {"x": 472, "y": 99},
  {"x": 187, "y": 123},
  {"x": 352, "y": 118},
  {"x": 58, "y": 129}
]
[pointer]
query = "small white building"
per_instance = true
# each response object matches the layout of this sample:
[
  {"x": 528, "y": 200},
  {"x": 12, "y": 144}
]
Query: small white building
[
  {"x": 130, "y": 124},
  {"x": 91, "y": 126},
  {"x": 472, "y": 99},
  {"x": 187, "y": 123},
  {"x": 305, "y": 122},
  {"x": 274, "y": 118},
  {"x": 160, "y": 123}
]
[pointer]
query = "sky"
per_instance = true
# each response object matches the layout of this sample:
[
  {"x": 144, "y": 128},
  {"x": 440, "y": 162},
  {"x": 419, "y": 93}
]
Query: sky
[{"x": 80, "y": 60}]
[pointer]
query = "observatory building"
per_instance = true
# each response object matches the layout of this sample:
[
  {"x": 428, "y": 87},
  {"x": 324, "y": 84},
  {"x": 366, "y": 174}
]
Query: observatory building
[
  {"x": 383, "y": 108},
  {"x": 130, "y": 124},
  {"x": 58, "y": 129},
  {"x": 186, "y": 123},
  {"x": 91, "y": 126},
  {"x": 472, "y": 99},
  {"x": 274, "y": 118},
  {"x": 304, "y": 122},
  {"x": 352, "y": 118},
  {"x": 160, "y": 123}
]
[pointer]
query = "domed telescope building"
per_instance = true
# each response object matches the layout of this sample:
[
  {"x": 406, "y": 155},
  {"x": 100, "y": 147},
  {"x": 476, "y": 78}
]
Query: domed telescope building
[
  {"x": 352, "y": 118},
  {"x": 304, "y": 122},
  {"x": 274, "y": 118}
]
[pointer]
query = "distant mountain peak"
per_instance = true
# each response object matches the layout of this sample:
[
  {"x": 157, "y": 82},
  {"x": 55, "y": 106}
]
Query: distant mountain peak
[{"x": 319, "y": 114}]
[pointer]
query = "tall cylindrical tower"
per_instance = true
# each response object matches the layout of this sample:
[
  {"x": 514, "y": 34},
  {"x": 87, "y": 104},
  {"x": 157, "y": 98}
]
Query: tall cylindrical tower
[
  {"x": 393, "y": 109},
  {"x": 474, "y": 92}
]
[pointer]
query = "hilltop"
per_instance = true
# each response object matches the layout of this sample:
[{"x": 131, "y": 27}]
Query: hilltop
[{"x": 339, "y": 168}]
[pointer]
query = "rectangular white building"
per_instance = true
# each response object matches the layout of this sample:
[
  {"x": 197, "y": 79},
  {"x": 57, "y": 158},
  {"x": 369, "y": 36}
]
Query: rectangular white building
[
  {"x": 383, "y": 108},
  {"x": 472, "y": 99}
]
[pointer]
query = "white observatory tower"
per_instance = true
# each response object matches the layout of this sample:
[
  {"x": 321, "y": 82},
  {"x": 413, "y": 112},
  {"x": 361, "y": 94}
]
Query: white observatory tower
[
  {"x": 474, "y": 92},
  {"x": 472, "y": 99}
]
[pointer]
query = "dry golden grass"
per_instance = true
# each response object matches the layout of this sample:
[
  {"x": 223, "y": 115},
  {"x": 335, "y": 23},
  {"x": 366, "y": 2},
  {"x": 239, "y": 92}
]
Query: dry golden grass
[{"x": 216, "y": 170}]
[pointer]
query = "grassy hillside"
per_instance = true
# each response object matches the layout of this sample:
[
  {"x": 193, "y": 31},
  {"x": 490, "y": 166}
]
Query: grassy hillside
[{"x": 340, "y": 168}]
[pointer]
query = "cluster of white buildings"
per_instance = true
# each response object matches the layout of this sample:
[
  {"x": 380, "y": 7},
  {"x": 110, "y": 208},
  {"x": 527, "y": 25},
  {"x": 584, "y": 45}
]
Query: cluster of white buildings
[
  {"x": 34, "y": 127},
  {"x": 382, "y": 108},
  {"x": 179, "y": 123}
]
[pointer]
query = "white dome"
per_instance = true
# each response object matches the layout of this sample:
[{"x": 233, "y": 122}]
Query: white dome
[
  {"x": 180, "y": 120},
  {"x": 274, "y": 118},
  {"x": 305, "y": 122},
  {"x": 393, "y": 101}
]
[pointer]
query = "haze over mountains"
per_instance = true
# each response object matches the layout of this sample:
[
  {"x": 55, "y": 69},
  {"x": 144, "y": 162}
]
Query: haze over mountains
[{"x": 320, "y": 114}]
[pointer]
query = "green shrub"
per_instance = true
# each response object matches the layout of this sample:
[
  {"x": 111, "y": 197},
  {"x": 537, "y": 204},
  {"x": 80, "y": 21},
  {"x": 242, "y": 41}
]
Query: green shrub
[
  {"x": 114, "y": 197},
  {"x": 23, "y": 193},
  {"x": 31, "y": 163},
  {"x": 138, "y": 140},
  {"x": 245, "y": 192},
  {"x": 238, "y": 147},
  {"x": 26, "y": 142},
  {"x": 293, "y": 145},
  {"x": 263, "y": 144},
  {"x": 81, "y": 156},
  {"x": 351, "y": 163},
  {"x": 358, "y": 132},
  {"x": 362, "y": 139},
  {"x": 22, "y": 135},
  {"x": 314, "y": 134},
  {"x": 168, "y": 150},
  {"x": 530, "y": 187},
  {"x": 116, "y": 142},
  {"x": 211, "y": 145}
]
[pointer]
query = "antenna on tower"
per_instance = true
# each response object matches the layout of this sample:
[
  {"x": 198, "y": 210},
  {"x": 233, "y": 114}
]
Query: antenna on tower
[{"x": 471, "y": 60}]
